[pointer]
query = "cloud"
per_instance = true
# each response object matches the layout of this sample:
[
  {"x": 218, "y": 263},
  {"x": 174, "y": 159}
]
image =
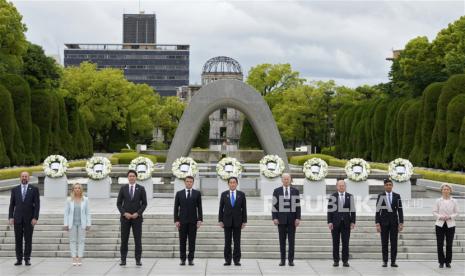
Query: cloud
[{"x": 347, "y": 41}]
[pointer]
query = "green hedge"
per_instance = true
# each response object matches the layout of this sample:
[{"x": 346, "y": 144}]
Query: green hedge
[
  {"x": 12, "y": 173},
  {"x": 455, "y": 115},
  {"x": 127, "y": 157}
]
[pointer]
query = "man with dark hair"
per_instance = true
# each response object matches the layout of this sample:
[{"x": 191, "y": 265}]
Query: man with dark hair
[
  {"x": 389, "y": 220},
  {"x": 232, "y": 217},
  {"x": 286, "y": 215},
  {"x": 187, "y": 218},
  {"x": 131, "y": 203},
  {"x": 341, "y": 220},
  {"x": 23, "y": 214}
]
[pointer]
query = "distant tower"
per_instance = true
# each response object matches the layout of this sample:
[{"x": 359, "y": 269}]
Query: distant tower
[
  {"x": 226, "y": 123},
  {"x": 139, "y": 28}
]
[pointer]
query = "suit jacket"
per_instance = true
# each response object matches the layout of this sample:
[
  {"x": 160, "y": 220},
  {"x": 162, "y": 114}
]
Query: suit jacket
[
  {"x": 188, "y": 210},
  {"x": 136, "y": 205},
  {"x": 384, "y": 214},
  {"x": 68, "y": 217},
  {"x": 286, "y": 211},
  {"x": 233, "y": 216},
  {"x": 24, "y": 211},
  {"x": 335, "y": 216}
]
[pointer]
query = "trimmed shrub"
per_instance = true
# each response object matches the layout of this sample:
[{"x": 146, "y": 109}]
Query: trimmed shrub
[
  {"x": 8, "y": 123},
  {"x": 41, "y": 100},
  {"x": 459, "y": 155},
  {"x": 36, "y": 143},
  {"x": 390, "y": 129},
  {"x": 455, "y": 115},
  {"x": 430, "y": 103},
  {"x": 454, "y": 85},
  {"x": 378, "y": 130},
  {"x": 4, "y": 160},
  {"x": 411, "y": 122},
  {"x": 202, "y": 140},
  {"x": 400, "y": 122},
  {"x": 127, "y": 157},
  {"x": 21, "y": 96}
]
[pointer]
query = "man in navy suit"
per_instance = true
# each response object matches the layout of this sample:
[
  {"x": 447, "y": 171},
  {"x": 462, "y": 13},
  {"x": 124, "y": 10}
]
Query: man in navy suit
[
  {"x": 131, "y": 203},
  {"x": 187, "y": 218},
  {"x": 341, "y": 220},
  {"x": 389, "y": 220},
  {"x": 286, "y": 215},
  {"x": 232, "y": 217},
  {"x": 23, "y": 214}
]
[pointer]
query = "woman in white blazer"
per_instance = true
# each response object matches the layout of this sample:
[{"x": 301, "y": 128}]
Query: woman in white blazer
[
  {"x": 445, "y": 210},
  {"x": 77, "y": 221}
]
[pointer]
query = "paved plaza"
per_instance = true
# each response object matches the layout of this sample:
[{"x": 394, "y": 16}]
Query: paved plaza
[{"x": 49, "y": 266}]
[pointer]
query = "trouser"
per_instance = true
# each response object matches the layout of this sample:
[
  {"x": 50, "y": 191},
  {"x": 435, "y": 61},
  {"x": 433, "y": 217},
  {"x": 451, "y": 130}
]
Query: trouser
[
  {"x": 187, "y": 231},
  {"x": 286, "y": 231},
  {"x": 23, "y": 230},
  {"x": 126, "y": 225},
  {"x": 232, "y": 233},
  {"x": 77, "y": 237},
  {"x": 341, "y": 232},
  {"x": 448, "y": 233},
  {"x": 389, "y": 233}
]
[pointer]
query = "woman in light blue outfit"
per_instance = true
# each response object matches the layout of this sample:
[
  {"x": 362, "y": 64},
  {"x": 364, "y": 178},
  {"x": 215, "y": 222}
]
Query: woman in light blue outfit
[{"x": 77, "y": 222}]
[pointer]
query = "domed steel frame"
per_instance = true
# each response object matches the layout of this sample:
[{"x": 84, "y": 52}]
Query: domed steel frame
[{"x": 222, "y": 64}]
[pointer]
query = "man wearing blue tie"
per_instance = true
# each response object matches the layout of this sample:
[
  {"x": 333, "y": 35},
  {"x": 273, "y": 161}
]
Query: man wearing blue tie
[
  {"x": 232, "y": 217},
  {"x": 23, "y": 214}
]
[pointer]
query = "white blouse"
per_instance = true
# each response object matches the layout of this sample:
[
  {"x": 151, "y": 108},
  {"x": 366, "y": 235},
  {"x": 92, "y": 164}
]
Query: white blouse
[{"x": 445, "y": 207}]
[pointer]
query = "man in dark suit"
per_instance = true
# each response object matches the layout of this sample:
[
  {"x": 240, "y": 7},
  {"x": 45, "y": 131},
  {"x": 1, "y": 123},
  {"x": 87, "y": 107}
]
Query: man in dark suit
[
  {"x": 131, "y": 203},
  {"x": 286, "y": 215},
  {"x": 187, "y": 217},
  {"x": 341, "y": 220},
  {"x": 232, "y": 217},
  {"x": 389, "y": 220},
  {"x": 23, "y": 214}
]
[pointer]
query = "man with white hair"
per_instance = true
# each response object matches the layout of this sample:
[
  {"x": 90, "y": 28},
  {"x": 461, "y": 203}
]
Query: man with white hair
[{"x": 286, "y": 215}]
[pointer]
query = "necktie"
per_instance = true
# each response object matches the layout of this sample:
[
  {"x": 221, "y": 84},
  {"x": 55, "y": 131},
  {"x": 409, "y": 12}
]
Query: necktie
[
  {"x": 390, "y": 199},
  {"x": 233, "y": 199},
  {"x": 341, "y": 199},
  {"x": 24, "y": 192},
  {"x": 132, "y": 191},
  {"x": 286, "y": 193},
  {"x": 188, "y": 193}
]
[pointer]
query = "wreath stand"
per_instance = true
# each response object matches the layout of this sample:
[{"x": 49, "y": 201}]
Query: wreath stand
[
  {"x": 56, "y": 187},
  {"x": 100, "y": 188}
]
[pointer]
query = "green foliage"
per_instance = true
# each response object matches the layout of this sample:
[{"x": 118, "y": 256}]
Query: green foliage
[
  {"x": 268, "y": 78},
  {"x": 40, "y": 70},
  {"x": 455, "y": 115},
  {"x": 21, "y": 96},
  {"x": 430, "y": 102},
  {"x": 378, "y": 130},
  {"x": 459, "y": 154},
  {"x": 390, "y": 130},
  {"x": 41, "y": 100},
  {"x": 168, "y": 116},
  {"x": 127, "y": 157},
  {"x": 8, "y": 123},
  {"x": 4, "y": 160},
  {"x": 13, "y": 42},
  {"x": 248, "y": 137},
  {"x": 411, "y": 122},
  {"x": 36, "y": 144}
]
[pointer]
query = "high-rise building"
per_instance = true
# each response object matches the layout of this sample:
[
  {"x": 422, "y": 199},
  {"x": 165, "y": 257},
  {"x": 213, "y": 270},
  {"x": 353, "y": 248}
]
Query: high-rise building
[
  {"x": 164, "y": 67},
  {"x": 139, "y": 28}
]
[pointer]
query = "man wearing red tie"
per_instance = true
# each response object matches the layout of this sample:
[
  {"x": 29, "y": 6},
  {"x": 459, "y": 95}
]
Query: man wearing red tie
[
  {"x": 232, "y": 217},
  {"x": 131, "y": 203}
]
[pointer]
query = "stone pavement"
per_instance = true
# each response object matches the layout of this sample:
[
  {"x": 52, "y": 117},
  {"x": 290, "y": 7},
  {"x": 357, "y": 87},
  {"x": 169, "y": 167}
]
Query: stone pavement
[{"x": 62, "y": 266}]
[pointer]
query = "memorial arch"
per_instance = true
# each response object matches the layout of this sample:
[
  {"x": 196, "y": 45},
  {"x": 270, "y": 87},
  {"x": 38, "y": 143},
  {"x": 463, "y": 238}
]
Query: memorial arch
[{"x": 220, "y": 94}]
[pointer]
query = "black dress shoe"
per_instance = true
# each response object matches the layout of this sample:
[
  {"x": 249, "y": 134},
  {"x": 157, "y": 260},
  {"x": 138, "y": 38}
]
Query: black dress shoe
[
  {"x": 394, "y": 265},
  {"x": 191, "y": 262},
  {"x": 384, "y": 264},
  {"x": 138, "y": 263},
  {"x": 291, "y": 263},
  {"x": 19, "y": 262},
  {"x": 346, "y": 264},
  {"x": 336, "y": 264},
  {"x": 27, "y": 262},
  {"x": 122, "y": 263},
  {"x": 441, "y": 265},
  {"x": 227, "y": 263},
  {"x": 237, "y": 264},
  {"x": 282, "y": 263},
  {"x": 448, "y": 266},
  {"x": 183, "y": 263}
]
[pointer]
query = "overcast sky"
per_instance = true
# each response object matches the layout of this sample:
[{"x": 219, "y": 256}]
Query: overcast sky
[{"x": 347, "y": 41}]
